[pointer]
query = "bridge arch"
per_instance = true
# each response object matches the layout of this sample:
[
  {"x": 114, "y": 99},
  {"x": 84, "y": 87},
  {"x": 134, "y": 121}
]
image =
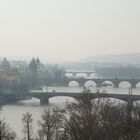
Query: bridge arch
[
  {"x": 69, "y": 75},
  {"x": 92, "y": 75},
  {"x": 124, "y": 84},
  {"x": 111, "y": 99},
  {"x": 138, "y": 85},
  {"x": 61, "y": 99},
  {"x": 81, "y": 75},
  {"x": 107, "y": 83},
  {"x": 73, "y": 84},
  {"x": 90, "y": 83},
  {"x": 64, "y": 99}
]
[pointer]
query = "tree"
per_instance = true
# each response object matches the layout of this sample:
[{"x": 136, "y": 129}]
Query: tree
[
  {"x": 6, "y": 133},
  {"x": 100, "y": 119},
  {"x": 27, "y": 122},
  {"x": 50, "y": 124},
  {"x": 83, "y": 119}
]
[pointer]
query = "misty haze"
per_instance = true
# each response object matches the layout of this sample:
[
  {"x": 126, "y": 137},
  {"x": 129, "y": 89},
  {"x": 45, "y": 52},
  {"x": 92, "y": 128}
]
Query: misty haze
[{"x": 69, "y": 70}]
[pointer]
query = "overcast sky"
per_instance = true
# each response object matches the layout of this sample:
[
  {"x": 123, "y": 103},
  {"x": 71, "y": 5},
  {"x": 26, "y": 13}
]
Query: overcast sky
[{"x": 67, "y": 30}]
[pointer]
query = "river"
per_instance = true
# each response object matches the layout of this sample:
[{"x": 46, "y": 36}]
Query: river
[{"x": 13, "y": 112}]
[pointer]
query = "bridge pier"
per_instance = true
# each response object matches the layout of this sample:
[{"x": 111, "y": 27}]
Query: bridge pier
[
  {"x": 99, "y": 83},
  {"x": 44, "y": 100},
  {"x": 133, "y": 85},
  {"x": 116, "y": 85}
]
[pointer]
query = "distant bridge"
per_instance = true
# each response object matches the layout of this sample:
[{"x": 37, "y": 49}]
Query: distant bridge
[
  {"x": 45, "y": 96},
  {"x": 74, "y": 73},
  {"x": 98, "y": 81}
]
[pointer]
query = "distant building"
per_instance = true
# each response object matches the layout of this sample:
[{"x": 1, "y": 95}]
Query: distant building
[
  {"x": 5, "y": 65},
  {"x": 40, "y": 66},
  {"x": 36, "y": 65},
  {"x": 21, "y": 66},
  {"x": 33, "y": 66}
]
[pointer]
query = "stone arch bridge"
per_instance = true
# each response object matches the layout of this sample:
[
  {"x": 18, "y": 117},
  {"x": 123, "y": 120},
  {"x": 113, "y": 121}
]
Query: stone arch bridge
[
  {"x": 45, "y": 96},
  {"x": 100, "y": 81}
]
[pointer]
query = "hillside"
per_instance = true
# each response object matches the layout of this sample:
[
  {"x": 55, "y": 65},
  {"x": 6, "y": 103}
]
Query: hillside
[{"x": 120, "y": 58}]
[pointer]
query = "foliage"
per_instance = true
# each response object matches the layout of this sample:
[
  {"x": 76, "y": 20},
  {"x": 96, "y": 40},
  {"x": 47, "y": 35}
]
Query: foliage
[
  {"x": 6, "y": 133},
  {"x": 27, "y": 123},
  {"x": 100, "y": 119},
  {"x": 50, "y": 124}
]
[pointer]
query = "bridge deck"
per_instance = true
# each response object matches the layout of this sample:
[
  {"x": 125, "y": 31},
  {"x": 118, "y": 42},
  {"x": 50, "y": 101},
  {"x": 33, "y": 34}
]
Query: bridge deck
[
  {"x": 44, "y": 96},
  {"x": 124, "y": 97}
]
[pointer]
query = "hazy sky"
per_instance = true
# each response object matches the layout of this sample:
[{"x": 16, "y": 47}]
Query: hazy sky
[{"x": 64, "y": 30}]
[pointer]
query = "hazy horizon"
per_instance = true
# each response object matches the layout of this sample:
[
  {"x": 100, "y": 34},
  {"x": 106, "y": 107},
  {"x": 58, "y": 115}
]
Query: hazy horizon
[{"x": 61, "y": 31}]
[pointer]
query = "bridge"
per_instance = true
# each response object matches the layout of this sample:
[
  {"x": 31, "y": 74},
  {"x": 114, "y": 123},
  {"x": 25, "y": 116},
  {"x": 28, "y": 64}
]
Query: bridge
[
  {"x": 74, "y": 73},
  {"x": 98, "y": 81},
  {"x": 45, "y": 96}
]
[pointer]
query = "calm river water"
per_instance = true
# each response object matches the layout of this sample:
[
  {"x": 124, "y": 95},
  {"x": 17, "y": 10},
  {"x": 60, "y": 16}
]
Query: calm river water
[{"x": 13, "y": 112}]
